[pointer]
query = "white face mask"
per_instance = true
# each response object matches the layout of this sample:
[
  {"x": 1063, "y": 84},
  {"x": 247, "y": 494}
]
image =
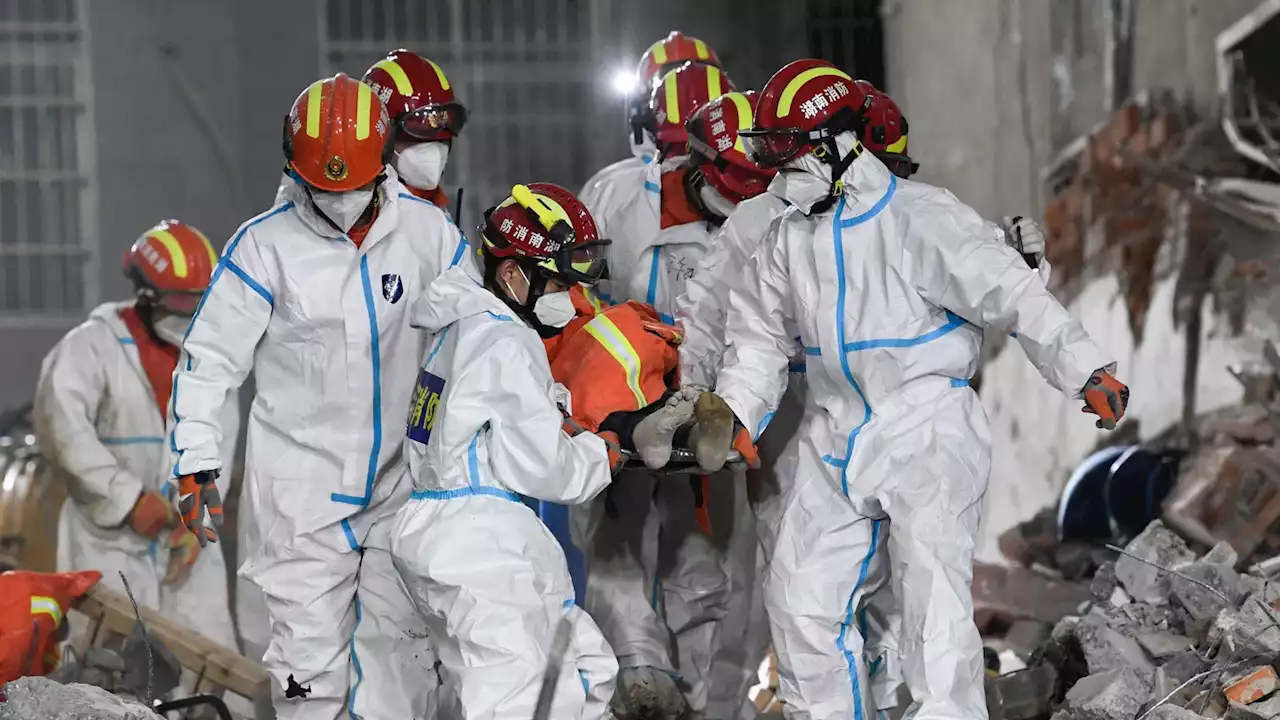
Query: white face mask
[
  {"x": 343, "y": 208},
  {"x": 171, "y": 328},
  {"x": 803, "y": 182},
  {"x": 716, "y": 202},
  {"x": 421, "y": 165},
  {"x": 555, "y": 309}
]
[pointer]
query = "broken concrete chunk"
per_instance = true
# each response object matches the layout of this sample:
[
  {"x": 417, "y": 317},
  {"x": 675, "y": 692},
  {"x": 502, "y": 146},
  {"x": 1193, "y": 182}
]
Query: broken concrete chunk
[
  {"x": 1217, "y": 570},
  {"x": 1022, "y": 695},
  {"x": 1252, "y": 686},
  {"x": 1026, "y": 636},
  {"x": 1162, "y": 644},
  {"x": 1106, "y": 649},
  {"x": 38, "y": 698},
  {"x": 1255, "y": 628},
  {"x": 1112, "y": 694},
  {"x": 1184, "y": 666},
  {"x": 1172, "y": 712},
  {"x": 1161, "y": 546},
  {"x": 1263, "y": 710},
  {"x": 1104, "y": 583}
]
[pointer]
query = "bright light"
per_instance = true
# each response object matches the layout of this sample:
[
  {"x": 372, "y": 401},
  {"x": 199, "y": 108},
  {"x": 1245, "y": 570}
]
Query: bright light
[{"x": 624, "y": 82}]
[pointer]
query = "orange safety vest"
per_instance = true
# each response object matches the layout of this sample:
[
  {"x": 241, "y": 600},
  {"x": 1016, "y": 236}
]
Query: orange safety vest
[
  {"x": 32, "y": 608},
  {"x": 613, "y": 357}
]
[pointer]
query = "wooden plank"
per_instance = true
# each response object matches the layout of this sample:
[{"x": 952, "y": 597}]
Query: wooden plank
[{"x": 219, "y": 665}]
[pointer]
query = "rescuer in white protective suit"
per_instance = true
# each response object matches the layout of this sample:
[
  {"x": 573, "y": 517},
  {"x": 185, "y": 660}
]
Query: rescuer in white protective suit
[
  {"x": 623, "y": 180},
  {"x": 313, "y": 297},
  {"x": 100, "y": 418},
  {"x": 655, "y": 562},
  {"x": 485, "y": 432},
  {"x": 886, "y": 282}
]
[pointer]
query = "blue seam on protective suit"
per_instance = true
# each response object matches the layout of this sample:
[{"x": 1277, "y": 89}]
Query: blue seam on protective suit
[
  {"x": 764, "y": 423},
  {"x": 473, "y": 462},
  {"x": 814, "y": 351},
  {"x": 457, "y": 254},
  {"x": 134, "y": 440},
  {"x": 798, "y": 367},
  {"x": 355, "y": 662},
  {"x": 835, "y": 461},
  {"x": 436, "y": 350},
  {"x": 376, "y": 352},
  {"x": 586, "y": 687},
  {"x": 848, "y": 620},
  {"x": 351, "y": 536},
  {"x": 653, "y": 594},
  {"x": 217, "y": 273},
  {"x": 652, "y": 187},
  {"x": 254, "y": 285},
  {"x": 1014, "y": 335},
  {"x": 959, "y": 382},
  {"x": 646, "y": 159},
  {"x": 953, "y": 321},
  {"x": 465, "y": 492},
  {"x": 127, "y": 341},
  {"x": 496, "y": 316},
  {"x": 652, "y": 294},
  {"x": 462, "y": 244}
]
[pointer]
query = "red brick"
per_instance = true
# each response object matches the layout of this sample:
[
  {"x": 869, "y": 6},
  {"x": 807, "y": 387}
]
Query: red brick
[{"x": 1253, "y": 687}]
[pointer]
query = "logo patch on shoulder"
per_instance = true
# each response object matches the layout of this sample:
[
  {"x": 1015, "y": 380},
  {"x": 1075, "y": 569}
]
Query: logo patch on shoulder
[
  {"x": 425, "y": 407},
  {"x": 392, "y": 288}
]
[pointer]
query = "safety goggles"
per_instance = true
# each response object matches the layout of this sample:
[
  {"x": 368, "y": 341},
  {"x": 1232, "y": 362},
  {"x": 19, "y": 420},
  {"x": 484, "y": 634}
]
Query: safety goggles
[
  {"x": 178, "y": 302},
  {"x": 433, "y": 122},
  {"x": 901, "y": 165},
  {"x": 773, "y": 147},
  {"x": 581, "y": 263}
]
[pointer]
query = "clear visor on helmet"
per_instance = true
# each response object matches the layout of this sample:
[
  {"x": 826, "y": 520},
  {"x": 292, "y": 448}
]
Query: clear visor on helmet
[
  {"x": 434, "y": 122},
  {"x": 179, "y": 302},
  {"x": 775, "y": 146},
  {"x": 581, "y": 263}
]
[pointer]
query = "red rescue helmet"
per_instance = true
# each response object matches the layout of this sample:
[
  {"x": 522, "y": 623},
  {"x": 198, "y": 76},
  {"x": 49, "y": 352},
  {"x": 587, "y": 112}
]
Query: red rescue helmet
[
  {"x": 804, "y": 106},
  {"x": 418, "y": 97},
  {"x": 885, "y": 131},
  {"x": 671, "y": 52},
  {"x": 171, "y": 266},
  {"x": 676, "y": 97},
  {"x": 717, "y": 149},
  {"x": 337, "y": 137},
  {"x": 548, "y": 225}
]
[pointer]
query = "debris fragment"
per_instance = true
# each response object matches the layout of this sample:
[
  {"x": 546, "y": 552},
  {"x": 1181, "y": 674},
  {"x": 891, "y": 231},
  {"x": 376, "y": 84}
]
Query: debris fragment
[
  {"x": 1253, "y": 686},
  {"x": 1112, "y": 694},
  {"x": 39, "y": 698}
]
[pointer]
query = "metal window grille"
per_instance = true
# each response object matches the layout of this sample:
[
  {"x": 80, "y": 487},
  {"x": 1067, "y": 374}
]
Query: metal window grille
[
  {"x": 524, "y": 69},
  {"x": 850, "y": 34},
  {"x": 48, "y": 270}
]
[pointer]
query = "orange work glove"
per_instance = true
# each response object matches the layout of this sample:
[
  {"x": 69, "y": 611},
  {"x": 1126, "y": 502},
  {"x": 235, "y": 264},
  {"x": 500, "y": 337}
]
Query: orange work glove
[
  {"x": 151, "y": 513},
  {"x": 1105, "y": 397},
  {"x": 616, "y": 457},
  {"x": 197, "y": 495},
  {"x": 184, "y": 548},
  {"x": 747, "y": 449}
]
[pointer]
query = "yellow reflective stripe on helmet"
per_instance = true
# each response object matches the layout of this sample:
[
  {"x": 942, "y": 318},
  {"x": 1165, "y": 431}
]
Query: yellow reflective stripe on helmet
[
  {"x": 659, "y": 51},
  {"x": 607, "y": 334},
  {"x": 700, "y": 48},
  {"x": 793, "y": 87},
  {"x": 45, "y": 605},
  {"x": 900, "y": 146},
  {"x": 744, "y": 117},
  {"x": 313, "y": 108},
  {"x": 176, "y": 257},
  {"x": 213, "y": 254},
  {"x": 364, "y": 98},
  {"x": 548, "y": 211},
  {"x": 444, "y": 81},
  {"x": 673, "y": 98},
  {"x": 714, "y": 87},
  {"x": 398, "y": 76}
]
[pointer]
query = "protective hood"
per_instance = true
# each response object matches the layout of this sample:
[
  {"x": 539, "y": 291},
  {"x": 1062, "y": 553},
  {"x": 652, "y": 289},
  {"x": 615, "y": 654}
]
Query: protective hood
[
  {"x": 806, "y": 181},
  {"x": 457, "y": 294},
  {"x": 294, "y": 191}
]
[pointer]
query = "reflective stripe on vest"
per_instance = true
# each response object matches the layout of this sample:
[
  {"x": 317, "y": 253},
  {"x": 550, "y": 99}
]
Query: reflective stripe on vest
[
  {"x": 44, "y": 605},
  {"x": 607, "y": 334}
]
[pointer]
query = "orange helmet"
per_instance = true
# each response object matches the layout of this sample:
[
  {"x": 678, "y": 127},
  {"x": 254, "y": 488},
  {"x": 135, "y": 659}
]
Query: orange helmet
[
  {"x": 677, "y": 96},
  {"x": 418, "y": 97},
  {"x": 337, "y": 137},
  {"x": 671, "y": 52},
  {"x": 171, "y": 265}
]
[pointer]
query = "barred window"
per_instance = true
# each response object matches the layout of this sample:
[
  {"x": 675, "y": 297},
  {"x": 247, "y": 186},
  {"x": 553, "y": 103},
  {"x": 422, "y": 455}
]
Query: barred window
[
  {"x": 850, "y": 34},
  {"x": 47, "y": 260},
  {"x": 523, "y": 70}
]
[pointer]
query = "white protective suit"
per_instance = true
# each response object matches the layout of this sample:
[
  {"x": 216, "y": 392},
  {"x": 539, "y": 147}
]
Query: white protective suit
[
  {"x": 615, "y": 185},
  {"x": 484, "y": 432},
  {"x": 652, "y": 574},
  {"x": 101, "y": 430},
  {"x": 887, "y": 290},
  {"x": 324, "y": 326}
]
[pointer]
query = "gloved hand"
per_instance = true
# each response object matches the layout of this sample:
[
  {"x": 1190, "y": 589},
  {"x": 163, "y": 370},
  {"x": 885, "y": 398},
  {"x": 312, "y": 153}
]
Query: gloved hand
[
  {"x": 653, "y": 436},
  {"x": 198, "y": 496},
  {"x": 1026, "y": 236},
  {"x": 714, "y": 431},
  {"x": 617, "y": 458},
  {"x": 151, "y": 513},
  {"x": 184, "y": 548},
  {"x": 1105, "y": 397}
]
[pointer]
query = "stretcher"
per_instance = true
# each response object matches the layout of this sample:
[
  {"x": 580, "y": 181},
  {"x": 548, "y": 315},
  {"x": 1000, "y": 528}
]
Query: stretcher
[{"x": 683, "y": 462}]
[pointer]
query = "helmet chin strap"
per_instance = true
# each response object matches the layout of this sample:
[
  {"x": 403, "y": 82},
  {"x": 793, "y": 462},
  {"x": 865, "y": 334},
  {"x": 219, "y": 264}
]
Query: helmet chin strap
[
  {"x": 694, "y": 181},
  {"x": 829, "y": 153},
  {"x": 537, "y": 283}
]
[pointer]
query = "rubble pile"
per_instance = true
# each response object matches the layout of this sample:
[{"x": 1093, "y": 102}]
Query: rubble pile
[
  {"x": 1166, "y": 635},
  {"x": 38, "y": 698}
]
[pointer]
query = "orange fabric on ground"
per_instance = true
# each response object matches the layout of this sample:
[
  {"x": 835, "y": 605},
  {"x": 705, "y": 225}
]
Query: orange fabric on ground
[
  {"x": 676, "y": 209},
  {"x": 32, "y": 607},
  {"x": 158, "y": 359},
  {"x": 613, "y": 358}
]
